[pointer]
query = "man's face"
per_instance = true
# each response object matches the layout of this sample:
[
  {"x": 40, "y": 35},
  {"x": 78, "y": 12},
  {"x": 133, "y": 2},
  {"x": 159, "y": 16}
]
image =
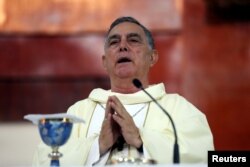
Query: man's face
[{"x": 127, "y": 52}]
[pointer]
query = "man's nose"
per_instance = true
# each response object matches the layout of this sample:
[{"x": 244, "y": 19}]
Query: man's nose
[{"x": 123, "y": 46}]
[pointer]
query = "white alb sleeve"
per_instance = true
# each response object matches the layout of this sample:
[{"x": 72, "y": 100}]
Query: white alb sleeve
[{"x": 94, "y": 157}]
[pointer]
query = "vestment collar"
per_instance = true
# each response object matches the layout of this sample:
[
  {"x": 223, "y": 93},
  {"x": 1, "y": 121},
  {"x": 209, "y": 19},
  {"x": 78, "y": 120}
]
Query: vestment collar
[{"x": 101, "y": 95}]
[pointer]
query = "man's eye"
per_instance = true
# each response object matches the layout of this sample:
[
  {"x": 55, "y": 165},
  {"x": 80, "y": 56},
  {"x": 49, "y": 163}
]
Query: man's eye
[
  {"x": 134, "y": 40},
  {"x": 113, "y": 42}
]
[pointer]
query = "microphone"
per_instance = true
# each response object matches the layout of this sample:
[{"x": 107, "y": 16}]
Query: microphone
[{"x": 176, "y": 156}]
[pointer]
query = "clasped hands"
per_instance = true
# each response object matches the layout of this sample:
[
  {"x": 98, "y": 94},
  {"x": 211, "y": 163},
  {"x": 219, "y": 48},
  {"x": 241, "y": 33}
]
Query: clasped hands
[{"x": 117, "y": 122}]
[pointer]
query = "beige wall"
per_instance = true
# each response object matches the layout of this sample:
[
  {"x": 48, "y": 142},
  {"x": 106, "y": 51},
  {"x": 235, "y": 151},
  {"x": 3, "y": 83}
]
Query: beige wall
[{"x": 17, "y": 143}]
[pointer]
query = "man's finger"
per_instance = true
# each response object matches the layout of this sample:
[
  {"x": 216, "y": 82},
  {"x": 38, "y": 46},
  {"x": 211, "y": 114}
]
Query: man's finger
[
  {"x": 119, "y": 108},
  {"x": 118, "y": 120}
]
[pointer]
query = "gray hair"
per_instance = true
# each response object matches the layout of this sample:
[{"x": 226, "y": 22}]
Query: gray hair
[{"x": 132, "y": 20}]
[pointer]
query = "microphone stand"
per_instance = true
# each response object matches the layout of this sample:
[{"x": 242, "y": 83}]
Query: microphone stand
[{"x": 176, "y": 156}]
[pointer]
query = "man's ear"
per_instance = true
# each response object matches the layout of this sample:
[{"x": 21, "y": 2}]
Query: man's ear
[{"x": 154, "y": 58}]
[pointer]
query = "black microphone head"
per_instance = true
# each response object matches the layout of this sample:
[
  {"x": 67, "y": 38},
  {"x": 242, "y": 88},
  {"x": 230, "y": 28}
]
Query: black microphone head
[{"x": 137, "y": 83}]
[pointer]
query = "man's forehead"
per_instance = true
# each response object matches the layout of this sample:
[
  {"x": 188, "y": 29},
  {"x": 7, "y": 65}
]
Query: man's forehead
[
  {"x": 126, "y": 28},
  {"x": 132, "y": 34}
]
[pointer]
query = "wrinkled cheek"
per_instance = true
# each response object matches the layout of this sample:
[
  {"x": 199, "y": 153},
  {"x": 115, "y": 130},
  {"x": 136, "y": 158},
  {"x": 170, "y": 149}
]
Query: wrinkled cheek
[{"x": 108, "y": 69}]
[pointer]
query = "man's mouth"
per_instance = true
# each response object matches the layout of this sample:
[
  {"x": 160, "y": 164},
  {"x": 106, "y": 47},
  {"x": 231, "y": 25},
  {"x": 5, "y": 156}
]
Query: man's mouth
[{"x": 123, "y": 60}]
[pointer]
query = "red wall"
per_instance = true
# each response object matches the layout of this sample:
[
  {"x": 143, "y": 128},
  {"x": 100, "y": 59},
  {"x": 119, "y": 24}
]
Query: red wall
[
  {"x": 217, "y": 74},
  {"x": 47, "y": 74}
]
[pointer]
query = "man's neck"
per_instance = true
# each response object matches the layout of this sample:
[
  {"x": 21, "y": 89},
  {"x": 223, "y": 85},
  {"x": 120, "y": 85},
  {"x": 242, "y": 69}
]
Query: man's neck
[{"x": 125, "y": 86}]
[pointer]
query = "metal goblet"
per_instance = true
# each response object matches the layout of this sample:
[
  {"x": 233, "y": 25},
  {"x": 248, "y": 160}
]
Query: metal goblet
[{"x": 55, "y": 132}]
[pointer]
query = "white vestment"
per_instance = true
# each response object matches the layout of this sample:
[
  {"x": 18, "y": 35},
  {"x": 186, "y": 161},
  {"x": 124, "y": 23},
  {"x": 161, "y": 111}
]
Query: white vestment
[{"x": 194, "y": 135}]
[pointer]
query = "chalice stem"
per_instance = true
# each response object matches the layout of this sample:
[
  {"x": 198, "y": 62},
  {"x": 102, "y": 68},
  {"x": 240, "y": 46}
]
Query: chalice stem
[
  {"x": 55, "y": 155},
  {"x": 54, "y": 163}
]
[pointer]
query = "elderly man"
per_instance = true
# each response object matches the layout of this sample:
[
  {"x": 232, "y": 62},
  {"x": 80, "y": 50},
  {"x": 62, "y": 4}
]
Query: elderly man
[{"x": 124, "y": 121}]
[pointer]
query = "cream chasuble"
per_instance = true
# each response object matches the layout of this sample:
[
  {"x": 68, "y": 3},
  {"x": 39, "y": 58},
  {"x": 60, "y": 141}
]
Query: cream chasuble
[
  {"x": 138, "y": 113},
  {"x": 194, "y": 135}
]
